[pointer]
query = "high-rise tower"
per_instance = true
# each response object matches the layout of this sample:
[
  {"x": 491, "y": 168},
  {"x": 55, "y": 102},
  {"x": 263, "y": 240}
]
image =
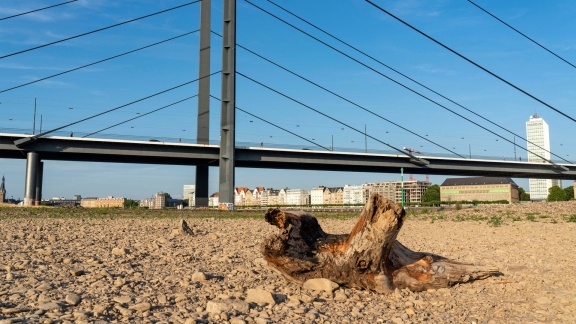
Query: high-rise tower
[{"x": 538, "y": 138}]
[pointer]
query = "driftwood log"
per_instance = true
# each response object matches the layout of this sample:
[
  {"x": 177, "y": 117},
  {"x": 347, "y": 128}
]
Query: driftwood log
[{"x": 369, "y": 257}]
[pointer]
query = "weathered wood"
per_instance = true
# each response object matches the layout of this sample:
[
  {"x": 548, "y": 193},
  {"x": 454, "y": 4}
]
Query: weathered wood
[{"x": 369, "y": 257}]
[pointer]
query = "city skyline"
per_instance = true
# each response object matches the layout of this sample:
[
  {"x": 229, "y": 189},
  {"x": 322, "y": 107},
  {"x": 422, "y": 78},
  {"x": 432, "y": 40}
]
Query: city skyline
[{"x": 458, "y": 24}]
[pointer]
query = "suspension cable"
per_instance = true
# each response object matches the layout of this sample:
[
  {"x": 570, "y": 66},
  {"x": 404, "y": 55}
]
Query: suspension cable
[
  {"x": 471, "y": 62},
  {"x": 100, "y": 61},
  {"x": 98, "y": 30},
  {"x": 415, "y": 81},
  {"x": 36, "y": 10}
]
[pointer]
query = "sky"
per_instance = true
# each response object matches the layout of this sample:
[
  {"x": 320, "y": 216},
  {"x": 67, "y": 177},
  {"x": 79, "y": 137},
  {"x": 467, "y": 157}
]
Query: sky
[{"x": 456, "y": 23}]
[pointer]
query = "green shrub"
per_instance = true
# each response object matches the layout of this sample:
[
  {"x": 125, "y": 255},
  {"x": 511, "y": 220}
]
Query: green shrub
[{"x": 495, "y": 221}]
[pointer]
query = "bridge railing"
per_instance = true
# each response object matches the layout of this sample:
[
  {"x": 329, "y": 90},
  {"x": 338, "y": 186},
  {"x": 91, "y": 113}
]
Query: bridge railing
[{"x": 145, "y": 138}]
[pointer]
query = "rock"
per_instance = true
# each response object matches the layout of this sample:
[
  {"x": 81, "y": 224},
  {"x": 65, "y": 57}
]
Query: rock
[
  {"x": 199, "y": 276},
  {"x": 260, "y": 297},
  {"x": 123, "y": 311},
  {"x": 77, "y": 272},
  {"x": 44, "y": 286},
  {"x": 10, "y": 311},
  {"x": 218, "y": 307},
  {"x": 49, "y": 306},
  {"x": 123, "y": 299},
  {"x": 142, "y": 307},
  {"x": 320, "y": 284},
  {"x": 237, "y": 321},
  {"x": 340, "y": 296},
  {"x": 73, "y": 299},
  {"x": 120, "y": 251},
  {"x": 98, "y": 309}
]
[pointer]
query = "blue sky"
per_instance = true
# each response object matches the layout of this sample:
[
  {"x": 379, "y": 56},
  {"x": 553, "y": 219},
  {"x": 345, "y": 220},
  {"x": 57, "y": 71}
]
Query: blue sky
[{"x": 456, "y": 23}]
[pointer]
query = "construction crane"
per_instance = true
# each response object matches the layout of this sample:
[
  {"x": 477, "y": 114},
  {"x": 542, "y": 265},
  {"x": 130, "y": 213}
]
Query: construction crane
[{"x": 407, "y": 149}]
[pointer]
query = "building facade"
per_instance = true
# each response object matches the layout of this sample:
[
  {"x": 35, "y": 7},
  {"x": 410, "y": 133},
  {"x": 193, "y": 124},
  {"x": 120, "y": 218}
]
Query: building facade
[
  {"x": 189, "y": 192},
  {"x": 479, "y": 188},
  {"x": 109, "y": 202},
  {"x": 352, "y": 195},
  {"x": 538, "y": 144},
  {"x": 298, "y": 197}
]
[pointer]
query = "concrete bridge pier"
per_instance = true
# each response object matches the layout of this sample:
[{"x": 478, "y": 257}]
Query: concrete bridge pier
[
  {"x": 39, "y": 178},
  {"x": 33, "y": 185}
]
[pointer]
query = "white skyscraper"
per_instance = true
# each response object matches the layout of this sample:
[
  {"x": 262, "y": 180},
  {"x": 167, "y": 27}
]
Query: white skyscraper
[
  {"x": 189, "y": 193},
  {"x": 538, "y": 136}
]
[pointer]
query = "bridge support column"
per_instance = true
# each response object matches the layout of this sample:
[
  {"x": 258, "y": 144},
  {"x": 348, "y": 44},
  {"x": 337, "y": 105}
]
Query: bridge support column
[
  {"x": 227, "y": 116},
  {"x": 39, "y": 178},
  {"x": 32, "y": 161},
  {"x": 203, "y": 133}
]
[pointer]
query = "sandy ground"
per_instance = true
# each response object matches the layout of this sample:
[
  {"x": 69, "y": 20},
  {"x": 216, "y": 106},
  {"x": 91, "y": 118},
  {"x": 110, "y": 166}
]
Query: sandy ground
[{"x": 141, "y": 270}]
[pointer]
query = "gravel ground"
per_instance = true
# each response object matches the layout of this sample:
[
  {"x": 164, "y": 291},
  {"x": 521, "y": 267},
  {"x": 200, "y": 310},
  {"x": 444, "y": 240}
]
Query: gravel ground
[{"x": 70, "y": 270}]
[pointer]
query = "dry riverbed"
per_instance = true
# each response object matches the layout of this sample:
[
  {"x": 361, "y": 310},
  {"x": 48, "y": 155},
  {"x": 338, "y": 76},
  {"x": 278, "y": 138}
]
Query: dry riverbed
[{"x": 81, "y": 268}]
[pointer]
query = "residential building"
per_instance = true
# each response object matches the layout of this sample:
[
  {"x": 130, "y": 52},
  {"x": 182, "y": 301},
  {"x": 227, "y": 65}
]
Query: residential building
[
  {"x": 257, "y": 196},
  {"x": 320, "y": 196},
  {"x": 336, "y": 196},
  {"x": 108, "y": 202},
  {"x": 213, "y": 200},
  {"x": 269, "y": 197},
  {"x": 241, "y": 196},
  {"x": 159, "y": 201},
  {"x": 189, "y": 192},
  {"x": 352, "y": 195},
  {"x": 538, "y": 144},
  {"x": 479, "y": 188},
  {"x": 297, "y": 197},
  {"x": 392, "y": 190},
  {"x": 281, "y": 197}
]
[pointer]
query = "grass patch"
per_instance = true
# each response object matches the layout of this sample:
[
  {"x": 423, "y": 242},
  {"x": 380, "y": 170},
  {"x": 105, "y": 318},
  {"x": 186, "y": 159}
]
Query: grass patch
[
  {"x": 572, "y": 219},
  {"x": 516, "y": 219},
  {"x": 530, "y": 217},
  {"x": 495, "y": 221}
]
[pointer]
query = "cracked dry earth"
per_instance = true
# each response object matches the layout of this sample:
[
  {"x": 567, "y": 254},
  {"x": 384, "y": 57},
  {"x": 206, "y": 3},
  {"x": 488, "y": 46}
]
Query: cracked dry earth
[{"x": 144, "y": 270}]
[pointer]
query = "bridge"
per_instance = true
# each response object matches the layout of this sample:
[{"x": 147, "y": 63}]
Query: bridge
[
  {"x": 228, "y": 152},
  {"x": 170, "y": 153}
]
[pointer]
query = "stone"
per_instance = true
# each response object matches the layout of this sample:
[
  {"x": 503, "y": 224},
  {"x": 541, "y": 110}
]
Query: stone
[
  {"x": 49, "y": 306},
  {"x": 340, "y": 296},
  {"x": 120, "y": 251},
  {"x": 320, "y": 284},
  {"x": 73, "y": 299},
  {"x": 123, "y": 299},
  {"x": 123, "y": 311},
  {"x": 44, "y": 286},
  {"x": 10, "y": 311},
  {"x": 199, "y": 276},
  {"x": 259, "y": 296},
  {"x": 98, "y": 309},
  {"x": 77, "y": 272},
  {"x": 142, "y": 307},
  {"x": 218, "y": 307}
]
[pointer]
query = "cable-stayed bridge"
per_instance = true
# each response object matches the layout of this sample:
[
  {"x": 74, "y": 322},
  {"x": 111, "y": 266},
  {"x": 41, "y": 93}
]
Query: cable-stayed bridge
[{"x": 69, "y": 141}]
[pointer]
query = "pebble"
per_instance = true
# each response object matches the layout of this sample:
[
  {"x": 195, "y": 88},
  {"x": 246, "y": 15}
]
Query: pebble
[
  {"x": 172, "y": 272},
  {"x": 49, "y": 306},
  {"x": 123, "y": 299},
  {"x": 142, "y": 307},
  {"x": 199, "y": 276},
  {"x": 320, "y": 284},
  {"x": 259, "y": 296},
  {"x": 73, "y": 299}
]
